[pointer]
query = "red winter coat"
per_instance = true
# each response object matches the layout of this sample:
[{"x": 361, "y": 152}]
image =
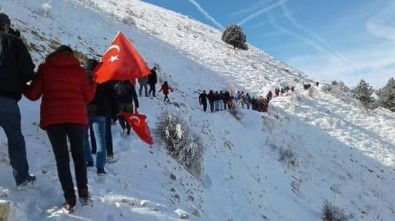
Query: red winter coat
[
  {"x": 64, "y": 88},
  {"x": 166, "y": 89}
]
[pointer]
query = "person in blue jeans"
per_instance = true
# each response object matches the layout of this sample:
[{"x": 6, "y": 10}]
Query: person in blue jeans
[
  {"x": 110, "y": 119},
  {"x": 98, "y": 124},
  {"x": 16, "y": 68},
  {"x": 104, "y": 105}
]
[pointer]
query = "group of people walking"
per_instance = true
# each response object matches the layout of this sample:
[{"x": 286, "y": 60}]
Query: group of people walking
[
  {"x": 72, "y": 106},
  {"x": 148, "y": 80},
  {"x": 216, "y": 100},
  {"x": 64, "y": 89},
  {"x": 75, "y": 109},
  {"x": 152, "y": 80},
  {"x": 225, "y": 100}
]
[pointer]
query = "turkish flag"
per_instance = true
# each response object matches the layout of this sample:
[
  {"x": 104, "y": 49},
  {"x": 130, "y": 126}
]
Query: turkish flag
[
  {"x": 121, "y": 61},
  {"x": 139, "y": 125}
]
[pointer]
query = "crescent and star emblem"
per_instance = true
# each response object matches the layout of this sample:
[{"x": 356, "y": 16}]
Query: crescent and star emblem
[
  {"x": 115, "y": 57},
  {"x": 135, "y": 118}
]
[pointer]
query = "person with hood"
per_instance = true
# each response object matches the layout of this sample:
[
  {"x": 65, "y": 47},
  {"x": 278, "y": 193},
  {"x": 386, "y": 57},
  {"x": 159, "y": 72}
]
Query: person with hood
[
  {"x": 64, "y": 89},
  {"x": 16, "y": 68},
  {"x": 100, "y": 110},
  {"x": 166, "y": 90}
]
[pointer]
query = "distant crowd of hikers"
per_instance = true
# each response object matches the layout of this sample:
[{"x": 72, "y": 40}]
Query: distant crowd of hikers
[{"x": 218, "y": 101}]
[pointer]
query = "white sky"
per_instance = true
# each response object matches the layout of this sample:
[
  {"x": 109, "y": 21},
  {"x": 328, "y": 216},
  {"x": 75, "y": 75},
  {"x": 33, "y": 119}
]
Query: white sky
[{"x": 344, "y": 154}]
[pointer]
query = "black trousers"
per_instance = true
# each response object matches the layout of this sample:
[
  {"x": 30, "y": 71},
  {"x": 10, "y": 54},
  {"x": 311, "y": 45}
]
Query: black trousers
[
  {"x": 58, "y": 134},
  {"x": 152, "y": 88},
  {"x": 204, "y": 106}
]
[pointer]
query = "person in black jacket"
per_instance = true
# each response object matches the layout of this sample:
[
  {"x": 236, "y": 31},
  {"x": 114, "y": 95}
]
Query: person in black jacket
[
  {"x": 16, "y": 69},
  {"x": 211, "y": 99},
  {"x": 126, "y": 94},
  {"x": 100, "y": 111},
  {"x": 14, "y": 32},
  {"x": 203, "y": 100},
  {"x": 152, "y": 80}
]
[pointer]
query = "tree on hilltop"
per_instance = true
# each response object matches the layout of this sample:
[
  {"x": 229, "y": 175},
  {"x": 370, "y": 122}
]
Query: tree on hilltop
[{"x": 235, "y": 36}]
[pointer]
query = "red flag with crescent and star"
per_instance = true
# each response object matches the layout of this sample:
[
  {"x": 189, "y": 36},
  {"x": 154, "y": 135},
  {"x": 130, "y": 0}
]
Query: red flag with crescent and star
[
  {"x": 121, "y": 61},
  {"x": 139, "y": 124}
]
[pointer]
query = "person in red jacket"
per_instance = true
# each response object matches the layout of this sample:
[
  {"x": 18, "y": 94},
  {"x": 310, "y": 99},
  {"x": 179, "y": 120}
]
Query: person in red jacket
[
  {"x": 65, "y": 90},
  {"x": 166, "y": 89}
]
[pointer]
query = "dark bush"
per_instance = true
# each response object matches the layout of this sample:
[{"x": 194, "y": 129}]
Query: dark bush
[{"x": 331, "y": 212}]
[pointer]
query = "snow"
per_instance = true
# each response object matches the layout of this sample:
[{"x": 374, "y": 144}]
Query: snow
[{"x": 343, "y": 153}]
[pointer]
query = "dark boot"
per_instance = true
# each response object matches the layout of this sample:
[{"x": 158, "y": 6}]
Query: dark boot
[
  {"x": 85, "y": 199},
  {"x": 69, "y": 205}
]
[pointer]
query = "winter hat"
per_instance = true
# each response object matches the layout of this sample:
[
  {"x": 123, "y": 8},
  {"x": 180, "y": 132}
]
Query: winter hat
[
  {"x": 4, "y": 19},
  {"x": 64, "y": 48}
]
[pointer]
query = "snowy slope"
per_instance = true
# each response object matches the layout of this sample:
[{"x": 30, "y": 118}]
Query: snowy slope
[{"x": 343, "y": 153}]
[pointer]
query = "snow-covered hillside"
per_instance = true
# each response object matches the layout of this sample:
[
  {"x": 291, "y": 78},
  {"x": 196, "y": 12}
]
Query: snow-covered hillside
[{"x": 341, "y": 152}]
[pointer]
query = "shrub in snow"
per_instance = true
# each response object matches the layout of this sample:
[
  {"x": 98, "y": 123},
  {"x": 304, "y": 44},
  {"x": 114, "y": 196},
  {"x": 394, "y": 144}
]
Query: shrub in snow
[
  {"x": 45, "y": 9},
  {"x": 288, "y": 156},
  {"x": 331, "y": 212},
  {"x": 337, "y": 89},
  {"x": 182, "y": 144},
  {"x": 386, "y": 95},
  {"x": 235, "y": 36},
  {"x": 128, "y": 20},
  {"x": 236, "y": 112},
  {"x": 363, "y": 92}
]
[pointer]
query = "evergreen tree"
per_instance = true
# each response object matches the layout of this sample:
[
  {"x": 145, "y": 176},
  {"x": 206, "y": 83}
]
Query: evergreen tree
[
  {"x": 364, "y": 92},
  {"x": 235, "y": 36},
  {"x": 386, "y": 95}
]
